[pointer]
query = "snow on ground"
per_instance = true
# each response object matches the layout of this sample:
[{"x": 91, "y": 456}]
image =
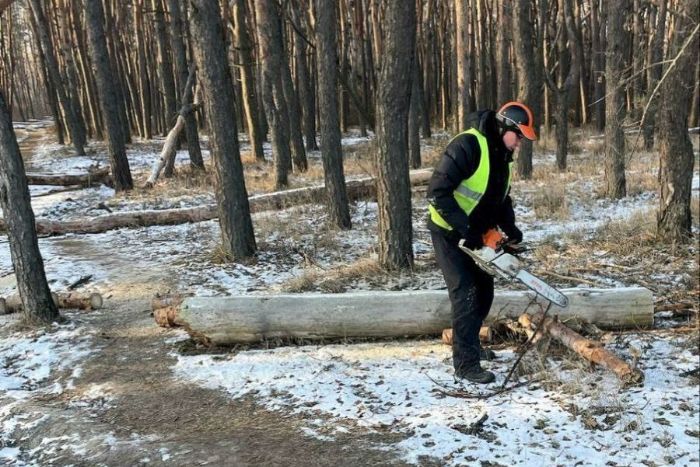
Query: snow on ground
[
  {"x": 393, "y": 386},
  {"x": 28, "y": 363},
  {"x": 579, "y": 417}
]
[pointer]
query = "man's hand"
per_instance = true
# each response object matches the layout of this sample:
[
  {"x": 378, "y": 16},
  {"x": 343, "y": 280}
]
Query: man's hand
[
  {"x": 473, "y": 240},
  {"x": 514, "y": 234}
]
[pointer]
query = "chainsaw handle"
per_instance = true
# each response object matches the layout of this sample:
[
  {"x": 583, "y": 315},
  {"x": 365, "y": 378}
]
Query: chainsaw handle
[{"x": 493, "y": 239}]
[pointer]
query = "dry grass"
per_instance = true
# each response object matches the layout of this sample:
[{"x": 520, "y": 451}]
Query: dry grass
[
  {"x": 335, "y": 280},
  {"x": 550, "y": 202}
]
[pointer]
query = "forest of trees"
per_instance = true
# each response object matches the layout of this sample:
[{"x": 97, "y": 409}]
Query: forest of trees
[{"x": 300, "y": 72}]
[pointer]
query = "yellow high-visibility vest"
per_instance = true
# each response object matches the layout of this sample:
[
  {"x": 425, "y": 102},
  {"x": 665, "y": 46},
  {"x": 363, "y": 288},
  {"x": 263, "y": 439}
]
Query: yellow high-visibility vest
[{"x": 470, "y": 190}]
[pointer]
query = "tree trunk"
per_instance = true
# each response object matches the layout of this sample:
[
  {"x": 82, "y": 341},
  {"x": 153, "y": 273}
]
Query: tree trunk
[
  {"x": 179, "y": 54},
  {"x": 505, "y": 21},
  {"x": 250, "y": 99},
  {"x": 615, "y": 67},
  {"x": 464, "y": 78},
  {"x": 165, "y": 66},
  {"x": 273, "y": 92},
  {"x": 238, "y": 239},
  {"x": 121, "y": 175},
  {"x": 293, "y": 110},
  {"x": 656, "y": 52},
  {"x": 76, "y": 126},
  {"x": 414, "y": 116},
  {"x": 24, "y": 246},
  {"x": 676, "y": 151},
  {"x": 331, "y": 148},
  {"x": 528, "y": 88},
  {"x": 393, "y": 100},
  {"x": 306, "y": 90},
  {"x": 247, "y": 319},
  {"x": 144, "y": 88}
]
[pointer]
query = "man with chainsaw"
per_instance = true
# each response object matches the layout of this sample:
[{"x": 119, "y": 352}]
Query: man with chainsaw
[{"x": 468, "y": 197}]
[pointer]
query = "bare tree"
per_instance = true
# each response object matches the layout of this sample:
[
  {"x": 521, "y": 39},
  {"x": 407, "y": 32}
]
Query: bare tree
[
  {"x": 615, "y": 106},
  {"x": 464, "y": 77},
  {"x": 331, "y": 149},
  {"x": 393, "y": 100},
  {"x": 121, "y": 175},
  {"x": 273, "y": 87},
  {"x": 250, "y": 98},
  {"x": 209, "y": 46},
  {"x": 528, "y": 89},
  {"x": 38, "y": 306},
  {"x": 562, "y": 93},
  {"x": 675, "y": 148},
  {"x": 76, "y": 126}
]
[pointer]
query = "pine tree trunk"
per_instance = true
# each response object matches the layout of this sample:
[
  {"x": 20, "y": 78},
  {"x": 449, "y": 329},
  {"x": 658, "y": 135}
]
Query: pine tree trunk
[
  {"x": 615, "y": 106},
  {"x": 306, "y": 93},
  {"x": 414, "y": 116},
  {"x": 676, "y": 150},
  {"x": 464, "y": 77},
  {"x": 331, "y": 149},
  {"x": 165, "y": 67},
  {"x": 656, "y": 49},
  {"x": 504, "y": 93},
  {"x": 528, "y": 89},
  {"x": 238, "y": 239},
  {"x": 38, "y": 305},
  {"x": 180, "y": 58},
  {"x": 76, "y": 126},
  {"x": 273, "y": 93},
  {"x": 144, "y": 88},
  {"x": 250, "y": 99},
  {"x": 393, "y": 100},
  {"x": 121, "y": 175}
]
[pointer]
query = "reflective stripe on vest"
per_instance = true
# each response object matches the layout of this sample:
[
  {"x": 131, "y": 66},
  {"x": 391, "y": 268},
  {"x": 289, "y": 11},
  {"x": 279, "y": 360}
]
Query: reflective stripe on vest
[{"x": 470, "y": 191}]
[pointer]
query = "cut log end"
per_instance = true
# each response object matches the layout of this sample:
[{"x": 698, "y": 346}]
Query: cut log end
[
  {"x": 165, "y": 316},
  {"x": 485, "y": 335}
]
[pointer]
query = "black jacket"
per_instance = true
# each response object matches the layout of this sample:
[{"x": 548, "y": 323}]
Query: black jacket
[{"x": 459, "y": 161}]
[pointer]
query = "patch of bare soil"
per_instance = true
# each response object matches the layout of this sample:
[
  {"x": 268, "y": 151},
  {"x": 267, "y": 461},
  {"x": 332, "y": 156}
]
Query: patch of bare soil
[{"x": 143, "y": 415}]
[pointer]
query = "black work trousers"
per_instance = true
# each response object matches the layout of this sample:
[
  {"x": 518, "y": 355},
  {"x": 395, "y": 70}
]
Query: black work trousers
[{"x": 471, "y": 294}]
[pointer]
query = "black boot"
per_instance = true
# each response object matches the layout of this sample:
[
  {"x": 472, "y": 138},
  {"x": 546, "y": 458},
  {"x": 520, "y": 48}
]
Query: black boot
[
  {"x": 486, "y": 354},
  {"x": 475, "y": 374}
]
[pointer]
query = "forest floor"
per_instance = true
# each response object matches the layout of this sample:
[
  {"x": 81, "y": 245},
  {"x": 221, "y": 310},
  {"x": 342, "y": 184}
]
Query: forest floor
[{"x": 109, "y": 387}]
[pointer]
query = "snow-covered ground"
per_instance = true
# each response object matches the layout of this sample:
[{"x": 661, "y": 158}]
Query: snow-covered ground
[{"x": 568, "y": 415}]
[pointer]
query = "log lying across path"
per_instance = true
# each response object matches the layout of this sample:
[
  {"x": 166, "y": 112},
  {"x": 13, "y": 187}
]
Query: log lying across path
[
  {"x": 356, "y": 189},
  {"x": 590, "y": 350},
  {"x": 70, "y": 300},
  {"x": 247, "y": 319},
  {"x": 93, "y": 177}
]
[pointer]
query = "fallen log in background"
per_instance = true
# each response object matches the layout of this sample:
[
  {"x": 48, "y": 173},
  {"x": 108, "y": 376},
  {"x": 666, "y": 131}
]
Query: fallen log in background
[
  {"x": 356, "y": 189},
  {"x": 485, "y": 335},
  {"x": 590, "y": 350},
  {"x": 63, "y": 300},
  {"x": 92, "y": 177},
  {"x": 247, "y": 319}
]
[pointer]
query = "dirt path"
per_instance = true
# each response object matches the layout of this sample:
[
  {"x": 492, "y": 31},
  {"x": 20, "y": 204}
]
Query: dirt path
[{"x": 143, "y": 415}]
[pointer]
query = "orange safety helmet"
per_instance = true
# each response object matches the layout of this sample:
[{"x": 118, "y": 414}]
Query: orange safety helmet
[{"x": 517, "y": 117}]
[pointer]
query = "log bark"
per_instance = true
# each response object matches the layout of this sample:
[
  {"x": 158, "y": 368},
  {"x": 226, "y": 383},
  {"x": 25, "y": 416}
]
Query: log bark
[
  {"x": 356, "y": 189},
  {"x": 590, "y": 350},
  {"x": 247, "y": 319},
  {"x": 93, "y": 177},
  {"x": 63, "y": 300}
]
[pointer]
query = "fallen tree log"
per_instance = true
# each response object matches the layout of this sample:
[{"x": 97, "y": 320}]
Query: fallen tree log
[
  {"x": 356, "y": 189},
  {"x": 93, "y": 177},
  {"x": 247, "y": 319},
  {"x": 590, "y": 350},
  {"x": 485, "y": 335},
  {"x": 71, "y": 300}
]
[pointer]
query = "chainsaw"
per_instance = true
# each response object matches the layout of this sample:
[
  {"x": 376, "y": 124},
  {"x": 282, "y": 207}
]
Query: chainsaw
[{"x": 496, "y": 261}]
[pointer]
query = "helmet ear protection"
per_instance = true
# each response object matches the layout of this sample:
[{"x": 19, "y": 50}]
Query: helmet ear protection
[{"x": 517, "y": 117}]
